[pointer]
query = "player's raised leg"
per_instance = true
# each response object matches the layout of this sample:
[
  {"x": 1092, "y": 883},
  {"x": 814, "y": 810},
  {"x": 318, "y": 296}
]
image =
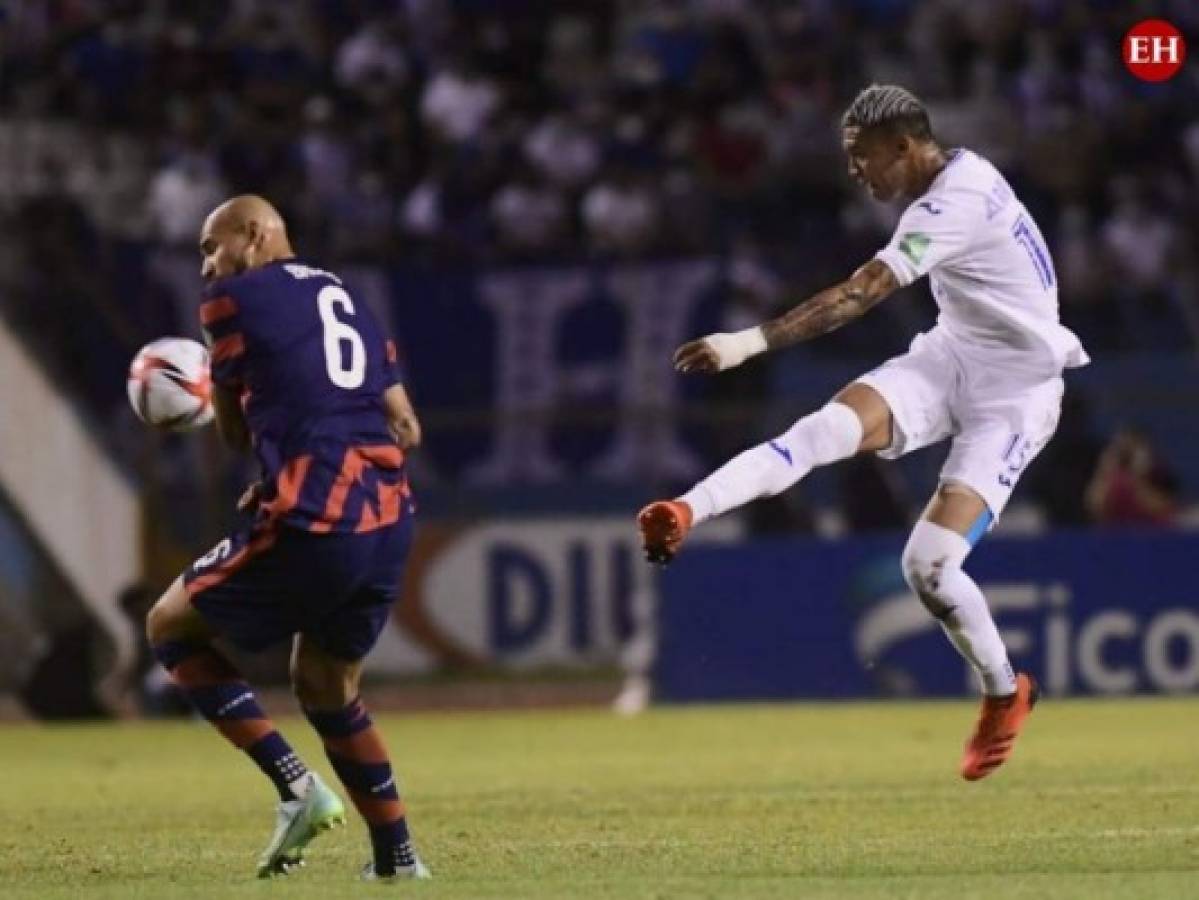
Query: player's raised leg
[
  {"x": 856, "y": 420},
  {"x": 181, "y": 641},
  {"x": 327, "y": 688},
  {"x": 932, "y": 566}
]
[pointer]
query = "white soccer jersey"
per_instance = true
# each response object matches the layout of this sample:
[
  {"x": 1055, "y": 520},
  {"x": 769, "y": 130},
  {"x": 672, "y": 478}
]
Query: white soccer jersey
[{"x": 988, "y": 267}]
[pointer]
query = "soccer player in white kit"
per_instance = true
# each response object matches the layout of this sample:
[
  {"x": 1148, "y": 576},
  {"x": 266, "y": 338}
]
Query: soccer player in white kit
[{"x": 988, "y": 376}]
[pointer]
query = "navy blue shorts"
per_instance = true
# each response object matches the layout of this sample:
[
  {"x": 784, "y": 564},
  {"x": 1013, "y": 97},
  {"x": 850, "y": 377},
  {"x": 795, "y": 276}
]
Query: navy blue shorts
[{"x": 260, "y": 586}]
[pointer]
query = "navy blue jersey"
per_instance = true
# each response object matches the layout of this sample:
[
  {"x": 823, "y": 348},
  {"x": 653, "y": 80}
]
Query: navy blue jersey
[{"x": 310, "y": 366}]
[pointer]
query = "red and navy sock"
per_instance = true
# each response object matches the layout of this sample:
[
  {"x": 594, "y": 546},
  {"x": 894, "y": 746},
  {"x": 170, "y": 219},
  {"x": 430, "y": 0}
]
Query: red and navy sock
[
  {"x": 356, "y": 751},
  {"x": 219, "y": 693}
]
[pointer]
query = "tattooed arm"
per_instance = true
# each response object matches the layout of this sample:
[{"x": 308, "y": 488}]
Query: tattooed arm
[
  {"x": 820, "y": 314},
  {"x": 832, "y": 308}
]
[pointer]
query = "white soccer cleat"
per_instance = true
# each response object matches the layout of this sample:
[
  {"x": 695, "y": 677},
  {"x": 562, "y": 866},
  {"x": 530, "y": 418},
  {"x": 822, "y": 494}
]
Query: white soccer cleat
[
  {"x": 297, "y": 822},
  {"x": 414, "y": 871}
]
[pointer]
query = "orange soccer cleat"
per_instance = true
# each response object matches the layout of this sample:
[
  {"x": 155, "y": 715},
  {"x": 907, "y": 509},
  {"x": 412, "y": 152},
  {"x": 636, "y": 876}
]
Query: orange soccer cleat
[
  {"x": 663, "y": 525},
  {"x": 998, "y": 726}
]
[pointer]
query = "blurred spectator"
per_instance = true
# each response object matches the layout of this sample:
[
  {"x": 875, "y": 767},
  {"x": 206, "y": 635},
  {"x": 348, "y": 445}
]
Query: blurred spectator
[
  {"x": 621, "y": 213},
  {"x": 361, "y": 219},
  {"x": 1061, "y": 474},
  {"x": 529, "y": 216},
  {"x": 873, "y": 496},
  {"x": 666, "y": 45},
  {"x": 1132, "y": 485},
  {"x": 563, "y": 149},
  {"x": 572, "y": 61},
  {"x": 1084, "y": 270},
  {"x": 421, "y": 214},
  {"x": 182, "y": 193},
  {"x": 326, "y": 152},
  {"x": 458, "y": 102},
  {"x": 1139, "y": 240},
  {"x": 731, "y": 147},
  {"x": 112, "y": 186},
  {"x": 1141, "y": 245},
  {"x": 727, "y": 109},
  {"x": 372, "y": 58}
]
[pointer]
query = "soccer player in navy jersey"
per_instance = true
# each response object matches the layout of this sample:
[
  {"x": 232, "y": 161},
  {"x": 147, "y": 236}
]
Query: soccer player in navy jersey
[{"x": 303, "y": 376}]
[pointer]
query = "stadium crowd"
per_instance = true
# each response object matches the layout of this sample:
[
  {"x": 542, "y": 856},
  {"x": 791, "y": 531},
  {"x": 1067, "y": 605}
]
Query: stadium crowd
[{"x": 470, "y": 132}]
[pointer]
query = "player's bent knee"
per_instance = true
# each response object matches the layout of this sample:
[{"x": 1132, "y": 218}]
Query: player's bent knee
[
  {"x": 321, "y": 686},
  {"x": 319, "y": 693},
  {"x": 930, "y": 556},
  {"x": 923, "y": 577}
]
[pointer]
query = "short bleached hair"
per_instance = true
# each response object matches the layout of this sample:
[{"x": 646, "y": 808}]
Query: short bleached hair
[{"x": 889, "y": 106}]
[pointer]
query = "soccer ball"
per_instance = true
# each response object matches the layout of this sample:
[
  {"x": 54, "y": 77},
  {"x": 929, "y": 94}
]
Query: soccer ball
[{"x": 170, "y": 386}]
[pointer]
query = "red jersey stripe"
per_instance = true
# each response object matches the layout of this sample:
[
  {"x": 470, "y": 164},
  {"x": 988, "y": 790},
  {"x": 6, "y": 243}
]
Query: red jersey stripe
[
  {"x": 288, "y": 487},
  {"x": 385, "y": 456},
  {"x": 351, "y": 469},
  {"x": 389, "y": 499},
  {"x": 216, "y": 309},
  {"x": 353, "y": 464}
]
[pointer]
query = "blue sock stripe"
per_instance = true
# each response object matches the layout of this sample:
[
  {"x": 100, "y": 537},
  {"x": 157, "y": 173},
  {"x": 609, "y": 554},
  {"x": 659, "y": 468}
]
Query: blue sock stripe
[
  {"x": 270, "y": 748},
  {"x": 171, "y": 653},
  {"x": 228, "y": 700},
  {"x": 979, "y": 528},
  {"x": 340, "y": 723},
  {"x": 365, "y": 778}
]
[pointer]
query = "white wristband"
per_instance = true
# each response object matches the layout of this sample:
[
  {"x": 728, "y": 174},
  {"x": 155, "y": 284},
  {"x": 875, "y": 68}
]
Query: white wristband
[{"x": 736, "y": 347}]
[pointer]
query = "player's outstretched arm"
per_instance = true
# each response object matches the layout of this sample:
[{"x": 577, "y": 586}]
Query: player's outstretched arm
[
  {"x": 401, "y": 417},
  {"x": 824, "y": 312},
  {"x": 230, "y": 421}
]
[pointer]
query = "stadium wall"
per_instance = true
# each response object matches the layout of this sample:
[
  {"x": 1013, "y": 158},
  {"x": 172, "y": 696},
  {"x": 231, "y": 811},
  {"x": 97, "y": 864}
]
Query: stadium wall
[
  {"x": 69, "y": 494},
  {"x": 1086, "y": 613},
  {"x": 523, "y": 595}
]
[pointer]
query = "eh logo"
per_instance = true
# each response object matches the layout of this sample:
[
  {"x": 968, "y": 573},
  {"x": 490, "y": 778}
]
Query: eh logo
[{"x": 1154, "y": 50}]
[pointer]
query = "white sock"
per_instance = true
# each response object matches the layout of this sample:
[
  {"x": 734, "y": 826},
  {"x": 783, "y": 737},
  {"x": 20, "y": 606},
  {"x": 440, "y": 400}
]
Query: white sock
[
  {"x": 831, "y": 433},
  {"x": 932, "y": 567}
]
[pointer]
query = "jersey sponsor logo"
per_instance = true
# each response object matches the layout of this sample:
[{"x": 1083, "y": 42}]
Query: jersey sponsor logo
[
  {"x": 913, "y": 244},
  {"x": 784, "y": 452},
  {"x": 932, "y": 208}
]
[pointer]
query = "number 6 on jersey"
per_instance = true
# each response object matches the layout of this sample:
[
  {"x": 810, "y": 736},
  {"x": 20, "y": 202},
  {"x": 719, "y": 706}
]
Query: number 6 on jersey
[{"x": 337, "y": 333}]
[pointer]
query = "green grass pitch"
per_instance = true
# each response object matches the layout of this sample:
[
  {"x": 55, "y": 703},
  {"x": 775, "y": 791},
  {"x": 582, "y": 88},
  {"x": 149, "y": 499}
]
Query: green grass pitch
[{"x": 814, "y": 801}]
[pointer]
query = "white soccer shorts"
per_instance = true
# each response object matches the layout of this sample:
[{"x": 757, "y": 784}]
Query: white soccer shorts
[{"x": 999, "y": 417}]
